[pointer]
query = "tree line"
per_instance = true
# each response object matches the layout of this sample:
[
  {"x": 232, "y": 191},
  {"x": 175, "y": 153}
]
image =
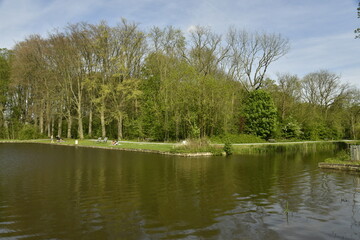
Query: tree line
[{"x": 95, "y": 80}]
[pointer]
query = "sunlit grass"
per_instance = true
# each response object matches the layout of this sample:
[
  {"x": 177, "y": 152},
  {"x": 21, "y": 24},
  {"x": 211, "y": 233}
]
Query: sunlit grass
[
  {"x": 195, "y": 148},
  {"x": 284, "y": 147},
  {"x": 163, "y": 147}
]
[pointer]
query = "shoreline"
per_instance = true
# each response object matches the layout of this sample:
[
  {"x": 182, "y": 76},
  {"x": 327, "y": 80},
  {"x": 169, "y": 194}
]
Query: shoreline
[
  {"x": 198, "y": 154},
  {"x": 340, "y": 166},
  {"x": 166, "y": 147}
]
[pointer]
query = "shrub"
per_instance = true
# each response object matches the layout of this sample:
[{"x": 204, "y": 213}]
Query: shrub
[
  {"x": 342, "y": 156},
  {"x": 197, "y": 145},
  {"x": 228, "y": 148},
  {"x": 260, "y": 114},
  {"x": 28, "y": 132},
  {"x": 320, "y": 132},
  {"x": 291, "y": 129},
  {"x": 236, "y": 138}
]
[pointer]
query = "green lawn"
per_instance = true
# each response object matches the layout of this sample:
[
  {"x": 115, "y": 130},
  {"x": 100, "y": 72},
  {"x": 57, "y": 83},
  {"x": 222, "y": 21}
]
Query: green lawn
[
  {"x": 162, "y": 147},
  {"x": 176, "y": 148}
]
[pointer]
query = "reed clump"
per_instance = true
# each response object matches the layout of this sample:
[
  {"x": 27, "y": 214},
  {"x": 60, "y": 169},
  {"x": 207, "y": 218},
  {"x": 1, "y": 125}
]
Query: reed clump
[{"x": 196, "y": 146}]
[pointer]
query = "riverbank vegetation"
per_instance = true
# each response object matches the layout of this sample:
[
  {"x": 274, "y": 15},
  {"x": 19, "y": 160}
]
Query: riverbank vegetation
[
  {"x": 345, "y": 160},
  {"x": 122, "y": 82},
  {"x": 288, "y": 147},
  {"x": 197, "y": 147}
]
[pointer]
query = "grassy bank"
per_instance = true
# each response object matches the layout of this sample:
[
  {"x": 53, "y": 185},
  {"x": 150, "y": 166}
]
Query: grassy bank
[
  {"x": 284, "y": 147},
  {"x": 199, "y": 147},
  {"x": 343, "y": 158},
  {"x": 341, "y": 161},
  {"x": 161, "y": 147}
]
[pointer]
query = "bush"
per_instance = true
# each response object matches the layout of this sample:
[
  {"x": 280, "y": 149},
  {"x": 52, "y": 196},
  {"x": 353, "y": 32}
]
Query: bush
[
  {"x": 29, "y": 132},
  {"x": 291, "y": 129},
  {"x": 320, "y": 132},
  {"x": 260, "y": 114},
  {"x": 236, "y": 138},
  {"x": 342, "y": 156},
  {"x": 197, "y": 145},
  {"x": 2, "y": 133},
  {"x": 228, "y": 148}
]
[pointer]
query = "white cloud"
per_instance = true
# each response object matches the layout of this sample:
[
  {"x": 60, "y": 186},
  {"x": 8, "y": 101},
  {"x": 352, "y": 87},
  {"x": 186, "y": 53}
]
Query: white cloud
[
  {"x": 191, "y": 28},
  {"x": 337, "y": 53},
  {"x": 320, "y": 31},
  {"x": 21, "y": 18}
]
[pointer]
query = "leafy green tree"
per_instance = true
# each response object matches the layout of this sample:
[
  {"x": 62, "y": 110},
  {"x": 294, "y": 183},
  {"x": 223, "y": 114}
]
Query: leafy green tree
[
  {"x": 260, "y": 114},
  {"x": 228, "y": 148},
  {"x": 287, "y": 95},
  {"x": 4, "y": 87},
  {"x": 123, "y": 82},
  {"x": 291, "y": 129}
]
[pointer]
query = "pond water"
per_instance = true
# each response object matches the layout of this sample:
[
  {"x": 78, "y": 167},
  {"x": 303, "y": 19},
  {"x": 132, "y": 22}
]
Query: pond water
[{"x": 59, "y": 192}]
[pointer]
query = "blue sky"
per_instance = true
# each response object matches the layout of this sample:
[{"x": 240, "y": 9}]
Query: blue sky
[{"x": 320, "y": 31}]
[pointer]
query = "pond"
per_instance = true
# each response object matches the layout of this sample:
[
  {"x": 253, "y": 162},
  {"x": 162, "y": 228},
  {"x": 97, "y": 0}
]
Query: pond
[{"x": 61, "y": 192}]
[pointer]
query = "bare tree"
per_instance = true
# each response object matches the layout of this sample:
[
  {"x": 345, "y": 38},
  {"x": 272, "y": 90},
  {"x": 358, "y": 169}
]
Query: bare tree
[
  {"x": 252, "y": 54},
  {"x": 168, "y": 41},
  {"x": 288, "y": 93},
  {"x": 322, "y": 88},
  {"x": 207, "y": 50}
]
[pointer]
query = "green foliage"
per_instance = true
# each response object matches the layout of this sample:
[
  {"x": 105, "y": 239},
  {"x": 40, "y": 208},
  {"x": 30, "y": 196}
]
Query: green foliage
[
  {"x": 194, "y": 132},
  {"x": 4, "y": 74},
  {"x": 158, "y": 85},
  {"x": 341, "y": 157},
  {"x": 195, "y": 146},
  {"x": 320, "y": 131},
  {"x": 260, "y": 114},
  {"x": 28, "y": 132},
  {"x": 291, "y": 130},
  {"x": 3, "y": 132},
  {"x": 179, "y": 102},
  {"x": 236, "y": 138},
  {"x": 296, "y": 147},
  {"x": 228, "y": 148}
]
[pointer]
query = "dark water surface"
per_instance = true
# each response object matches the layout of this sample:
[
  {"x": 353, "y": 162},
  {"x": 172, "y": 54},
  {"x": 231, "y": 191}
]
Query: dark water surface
[{"x": 58, "y": 192}]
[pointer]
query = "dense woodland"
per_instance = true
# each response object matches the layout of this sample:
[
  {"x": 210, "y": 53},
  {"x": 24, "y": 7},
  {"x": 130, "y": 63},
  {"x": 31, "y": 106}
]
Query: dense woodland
[{"x": 96, "y": 80}]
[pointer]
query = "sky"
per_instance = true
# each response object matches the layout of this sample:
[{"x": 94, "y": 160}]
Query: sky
[{"x": 321, "y": 32}]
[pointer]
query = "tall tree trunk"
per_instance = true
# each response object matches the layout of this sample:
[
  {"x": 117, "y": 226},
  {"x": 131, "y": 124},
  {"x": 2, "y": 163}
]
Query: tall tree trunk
[
  {"x": 36, "y": 120},
  {"x": 59, "y": 127},
  {"x": 5, "y": 124},
  {"x": 41, "y": 121},
  {"x": 69, "y": 124},
  {"x": 7, "y": 135},
  {"x": 80, "y": 123},
  {"x": 79, "y": 112},
  {"x": 90, "y": 121},
  {"x": 120, "y": 126},
  {"x": 48, "y": 126},
  {"x": 177, "y": 129},
  {"x": 353, "y": 128},
  {"x": 102, "y": 120},
  {"x": 52, "y": 126}
]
